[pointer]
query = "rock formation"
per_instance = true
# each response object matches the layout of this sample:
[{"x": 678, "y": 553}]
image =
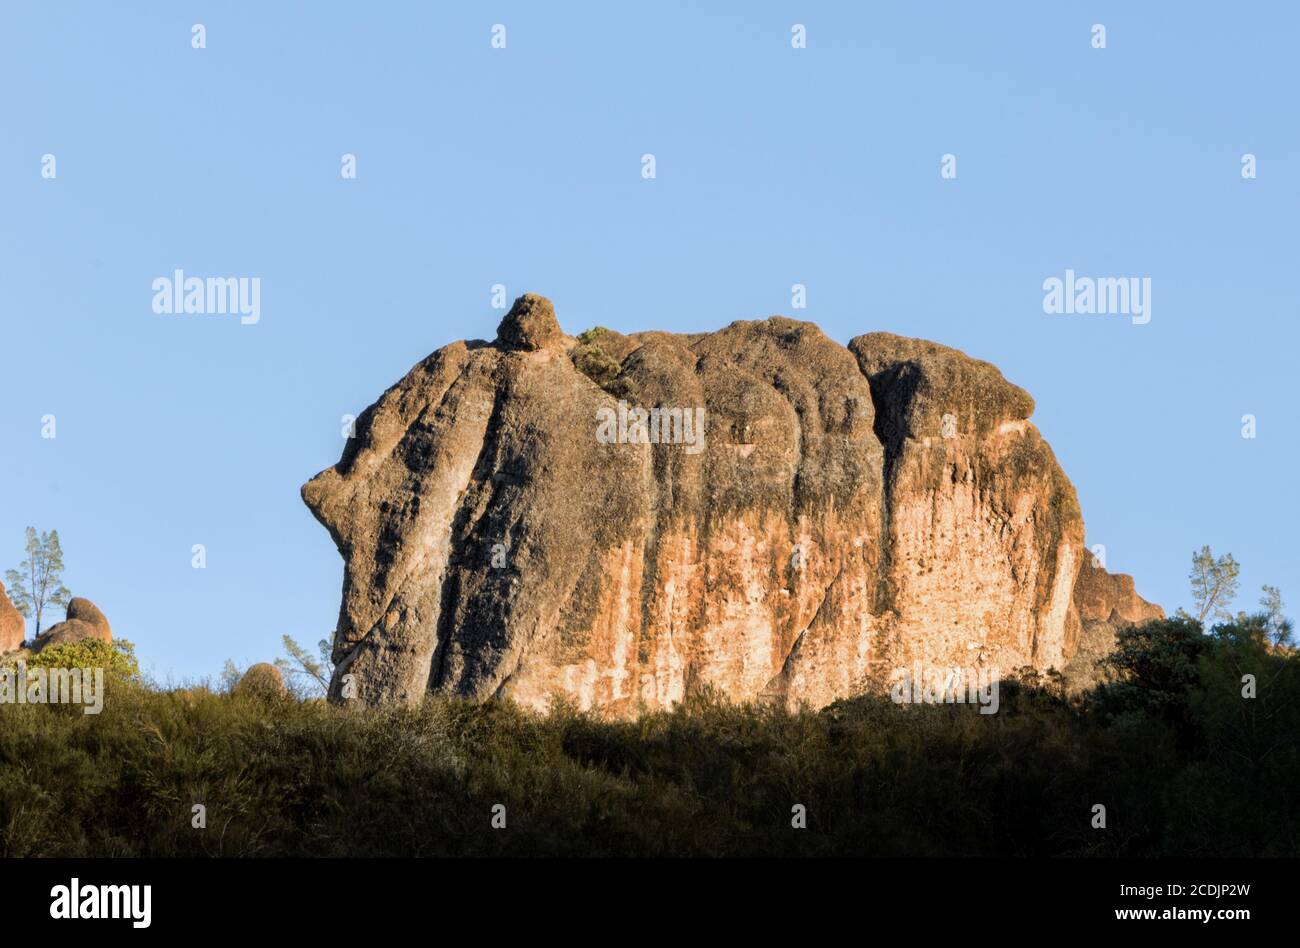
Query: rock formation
[
  {"x": 84, "y": 621},
  {"x": 1110, "y": 598},
  {"x": 513, "y": 524},
  {"x": 262, "y": 680},
  {"x": 12, "y": 625},
  {"x": 1104, "y": 602}
]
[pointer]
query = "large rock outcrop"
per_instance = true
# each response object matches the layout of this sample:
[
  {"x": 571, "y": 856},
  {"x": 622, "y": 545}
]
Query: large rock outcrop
[
  {"x": 12, "y": 625},
  {"x": 511, "y": 525}
]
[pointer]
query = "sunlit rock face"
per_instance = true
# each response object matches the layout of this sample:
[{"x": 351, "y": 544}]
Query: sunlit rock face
[
  {"x": 84, "y": 621},
  {"x": 625, "y": 519},
  {"x": 12, "y": 625}
]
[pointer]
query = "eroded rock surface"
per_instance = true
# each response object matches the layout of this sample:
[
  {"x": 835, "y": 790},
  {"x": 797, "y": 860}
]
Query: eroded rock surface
[
  {"x": 12, "y": 625},
  {"x": 507, "y": 529},
  {"x": 1105, "y": 603}
]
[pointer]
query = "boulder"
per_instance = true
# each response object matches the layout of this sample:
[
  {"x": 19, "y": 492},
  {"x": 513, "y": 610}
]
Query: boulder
[
  {"x": 530, "y": 324},
  {"x": 84, "y": 621},
  {"x": 13, "y": 627},
  {"x": 86, "y": 611},
  {"x": 262, "y": 680}
]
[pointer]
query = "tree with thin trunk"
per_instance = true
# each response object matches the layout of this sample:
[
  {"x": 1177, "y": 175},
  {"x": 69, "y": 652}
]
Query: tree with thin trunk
[
  {"x": 1276, "y": 624},
  {"x": 1214, "y": 584},
  {"x": 301, "y": 665},
  {"x": 37, "y": 583}
]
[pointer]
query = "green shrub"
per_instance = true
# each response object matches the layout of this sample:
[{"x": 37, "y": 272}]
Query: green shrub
[
  {"x": 1183, "y": 763},
  {"x": 117, "y": 658},
  {"x": 595, "y": 363}
]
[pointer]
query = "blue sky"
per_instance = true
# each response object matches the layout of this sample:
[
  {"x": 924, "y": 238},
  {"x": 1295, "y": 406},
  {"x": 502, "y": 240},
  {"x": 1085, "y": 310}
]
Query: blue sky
[{"x": 522, "y": 166}]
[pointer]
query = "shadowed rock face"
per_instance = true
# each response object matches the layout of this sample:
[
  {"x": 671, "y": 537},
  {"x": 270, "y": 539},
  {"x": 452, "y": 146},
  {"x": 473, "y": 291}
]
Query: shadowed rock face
[{"x": 507, "y": 529}]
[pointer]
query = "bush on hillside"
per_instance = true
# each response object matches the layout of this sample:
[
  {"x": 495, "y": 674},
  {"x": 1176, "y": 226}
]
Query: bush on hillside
[
  {"x": 117, "y": 658},
  {"x": 1183, "y": 762}
]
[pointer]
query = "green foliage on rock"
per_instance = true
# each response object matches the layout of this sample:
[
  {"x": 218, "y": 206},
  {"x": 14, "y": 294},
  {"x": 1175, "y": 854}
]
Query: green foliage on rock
[{"x": 598, "y": 365}]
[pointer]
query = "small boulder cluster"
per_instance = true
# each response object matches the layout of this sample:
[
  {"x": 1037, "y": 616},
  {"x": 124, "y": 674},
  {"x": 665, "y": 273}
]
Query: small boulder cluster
[{"x": 84, "y": 621}]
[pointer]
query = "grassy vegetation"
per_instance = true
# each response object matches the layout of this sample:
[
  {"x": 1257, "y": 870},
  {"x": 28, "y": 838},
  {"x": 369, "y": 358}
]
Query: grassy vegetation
[{"x": 1181, "y": 761}]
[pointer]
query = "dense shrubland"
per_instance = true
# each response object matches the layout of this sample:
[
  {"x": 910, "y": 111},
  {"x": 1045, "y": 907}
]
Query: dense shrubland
[{"x": 1182, "y": 762}]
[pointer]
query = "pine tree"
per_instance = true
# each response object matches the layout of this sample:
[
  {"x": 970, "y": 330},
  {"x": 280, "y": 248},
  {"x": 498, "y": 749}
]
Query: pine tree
[
  {"x": 300, "y": 665},
  {"x": 1276, "y": 623},
  {"x": 1214, "y": 584},
  {"x": 38, "y": 581}
]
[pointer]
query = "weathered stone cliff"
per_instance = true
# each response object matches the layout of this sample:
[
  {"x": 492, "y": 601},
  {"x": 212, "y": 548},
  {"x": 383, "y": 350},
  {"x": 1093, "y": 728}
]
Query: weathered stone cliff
[{"x": 510, "y": 524}]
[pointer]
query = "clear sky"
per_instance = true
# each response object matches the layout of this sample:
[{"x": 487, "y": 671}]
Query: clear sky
[{"x": 522, "y": 166}]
